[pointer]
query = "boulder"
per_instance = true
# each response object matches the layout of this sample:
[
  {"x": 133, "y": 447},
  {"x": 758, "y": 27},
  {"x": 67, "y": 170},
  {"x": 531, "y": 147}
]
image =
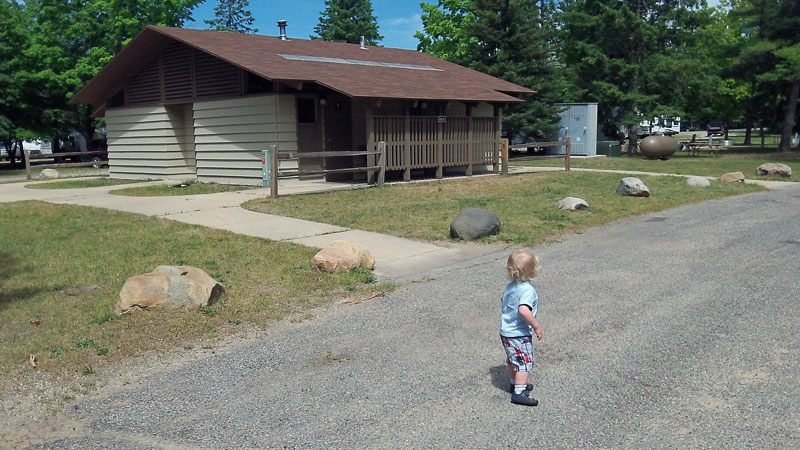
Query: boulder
[
  {"x": 48, "y": 174},
  {"x": 474, "y": 223},
  {"x": 658, "y": 146},
  {"x": 698, "y": 182},
  {"x": 774, "y": 169},
  {"x": 732, "y": 177},
  {"x": 633, "y": 187},
  {"x": 572, "y": 204},
  {"x": 169, "y": 287},
  {"x": 342, "y": 255}
]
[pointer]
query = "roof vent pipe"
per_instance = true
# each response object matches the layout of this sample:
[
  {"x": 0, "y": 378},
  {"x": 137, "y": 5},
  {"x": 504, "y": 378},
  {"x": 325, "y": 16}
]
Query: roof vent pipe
[
  {"x": 363, "y": 45},
  {"x": 282, "y": 28}
]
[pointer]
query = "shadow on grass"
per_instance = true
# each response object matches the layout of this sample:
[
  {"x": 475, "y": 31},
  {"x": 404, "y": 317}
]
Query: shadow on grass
[{"x": 9, "y": 266}]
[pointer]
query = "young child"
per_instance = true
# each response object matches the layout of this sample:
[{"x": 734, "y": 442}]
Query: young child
[{"x": 520, "y": 307}]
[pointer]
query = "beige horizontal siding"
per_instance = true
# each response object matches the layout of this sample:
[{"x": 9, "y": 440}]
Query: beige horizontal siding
[
  {"x": 152, "y": 142},
  {"x": 230, "y": 135}
]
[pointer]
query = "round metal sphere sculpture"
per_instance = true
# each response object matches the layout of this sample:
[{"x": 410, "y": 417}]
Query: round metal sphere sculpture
[{"x": 658, "y": 147}]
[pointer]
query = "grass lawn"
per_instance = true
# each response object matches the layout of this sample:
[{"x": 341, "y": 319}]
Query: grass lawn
[
  {"x": 162, "y": 190},
  {"x": 526, "y": 204},
  {"x": 680, "y": 163},
  {"x": 47, "y": 249},
  {"x": 79, "y": 183}
]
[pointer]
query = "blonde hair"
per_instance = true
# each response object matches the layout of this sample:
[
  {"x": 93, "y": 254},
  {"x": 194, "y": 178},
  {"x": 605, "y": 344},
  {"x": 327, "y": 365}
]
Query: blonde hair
[{"x": 522, "y": 265}]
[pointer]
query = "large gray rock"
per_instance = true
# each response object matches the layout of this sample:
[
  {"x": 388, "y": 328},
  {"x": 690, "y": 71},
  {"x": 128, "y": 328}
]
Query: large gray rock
[
  {"x": 170, "y": 287},
  {"x": 474, "y": 223},
  {"x": 572, "y": 204},
  {"x": 48, "y": 174},
  {"x": 342, "y": 255},
  {"x": 698, "y": 182},
  {"x": 633, "y": 187},
  {"x": 774, "y": 169},
  {"x": 732, "y": 177}
]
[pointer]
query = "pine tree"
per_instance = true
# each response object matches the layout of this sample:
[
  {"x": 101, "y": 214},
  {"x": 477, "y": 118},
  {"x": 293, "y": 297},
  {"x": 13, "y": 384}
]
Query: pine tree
[
  {"x": 232, "y": 15},
  {"x": 509, "y": 39},
  {"x": 623, "y": 54},
  {"x": 773, "y": 50},
  {"x": 347, "y": 21}
]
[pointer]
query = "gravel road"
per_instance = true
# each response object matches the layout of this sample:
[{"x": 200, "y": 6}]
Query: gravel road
[{"x": 673, "y": 330}]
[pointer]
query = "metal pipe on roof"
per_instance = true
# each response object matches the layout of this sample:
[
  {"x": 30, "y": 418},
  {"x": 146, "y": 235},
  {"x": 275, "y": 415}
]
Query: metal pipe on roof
[
  {"x": 282, "y": 28},
  {"x": 363, "y": 45}
]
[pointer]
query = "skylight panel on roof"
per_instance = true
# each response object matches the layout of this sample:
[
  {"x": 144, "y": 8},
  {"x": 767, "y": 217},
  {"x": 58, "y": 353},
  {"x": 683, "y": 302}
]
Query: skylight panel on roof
[{"x": 358, "y": 62}]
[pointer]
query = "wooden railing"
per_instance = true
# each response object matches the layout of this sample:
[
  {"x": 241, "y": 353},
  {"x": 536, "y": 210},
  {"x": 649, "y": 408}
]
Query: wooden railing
[
  {"x": 420, "y": 142},
  {"x": 271, "y": 171},
  {"x": 504, "y": 148},
  {"x": 95, "y": 160}
]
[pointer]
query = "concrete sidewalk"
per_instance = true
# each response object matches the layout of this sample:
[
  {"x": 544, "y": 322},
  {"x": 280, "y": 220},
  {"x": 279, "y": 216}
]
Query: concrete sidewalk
[{"x": 396, "y": 259}]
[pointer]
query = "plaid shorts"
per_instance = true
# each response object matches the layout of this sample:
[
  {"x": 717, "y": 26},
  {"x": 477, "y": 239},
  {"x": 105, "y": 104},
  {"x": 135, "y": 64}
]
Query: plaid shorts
[{"x": 519, "y": 352}]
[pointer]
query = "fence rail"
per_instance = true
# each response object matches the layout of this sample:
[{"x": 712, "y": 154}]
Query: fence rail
[
  {"x": 504, "y": 147},
  {"x": 95, "y": 160},
  {"x": 271, "y": 172}
]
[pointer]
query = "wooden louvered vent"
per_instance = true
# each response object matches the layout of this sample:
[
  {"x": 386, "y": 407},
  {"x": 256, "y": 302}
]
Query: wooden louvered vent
[
  {"x": 177, "y": 62},
  {"x": 145, "y": 86},
  {"x": 215, "y": 77}
]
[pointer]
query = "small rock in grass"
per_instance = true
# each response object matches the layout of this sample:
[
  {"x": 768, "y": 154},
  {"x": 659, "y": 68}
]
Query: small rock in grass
[
  {"x": 698, "y": 182},
  {"x": 48, "y": 174},
  {"x": 732, "y": 177},
  {"x": 168, "y": 287},
  {"x": 633, "y": 187},
  {"x": 774, "y": 169},
  {"x": 474, "y": 223},
  {"x": 342, "y": 255},
  {"x": 572, "y": 204}
]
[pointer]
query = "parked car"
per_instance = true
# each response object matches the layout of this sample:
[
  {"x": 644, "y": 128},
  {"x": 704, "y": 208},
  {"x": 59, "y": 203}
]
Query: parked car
[{"x": 715, "y": 129}]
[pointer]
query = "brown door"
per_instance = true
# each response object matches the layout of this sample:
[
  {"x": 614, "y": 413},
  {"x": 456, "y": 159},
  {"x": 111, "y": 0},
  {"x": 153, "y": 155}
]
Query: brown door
[
  {"x": 309, "y": 134},
  {"x": 339, "y": 135}
]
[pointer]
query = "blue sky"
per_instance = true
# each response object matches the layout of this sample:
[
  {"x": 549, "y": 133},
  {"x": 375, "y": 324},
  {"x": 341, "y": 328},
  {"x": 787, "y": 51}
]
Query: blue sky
[{"x": 397, "y": 19}]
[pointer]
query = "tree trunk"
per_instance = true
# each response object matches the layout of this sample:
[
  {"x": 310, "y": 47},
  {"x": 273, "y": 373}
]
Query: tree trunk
[
  {"x": 725, "y": 125},
  {"x": 632, "y": 140},
  {"x": 788, "y": 122},
  {"x": 748, "y": 132}
]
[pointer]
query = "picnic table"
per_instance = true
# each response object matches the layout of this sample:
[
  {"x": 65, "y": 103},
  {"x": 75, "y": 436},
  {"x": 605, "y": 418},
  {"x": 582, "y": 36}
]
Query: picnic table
[{"x": 694, "y": 147}]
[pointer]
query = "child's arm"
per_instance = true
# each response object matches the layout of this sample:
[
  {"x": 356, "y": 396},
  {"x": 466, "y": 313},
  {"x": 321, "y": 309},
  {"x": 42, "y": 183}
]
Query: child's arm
[{"x": 527, "y": 316}]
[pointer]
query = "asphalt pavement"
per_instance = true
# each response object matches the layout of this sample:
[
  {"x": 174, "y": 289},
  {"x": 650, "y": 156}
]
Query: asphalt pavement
[{"x": 677, "y": 329}]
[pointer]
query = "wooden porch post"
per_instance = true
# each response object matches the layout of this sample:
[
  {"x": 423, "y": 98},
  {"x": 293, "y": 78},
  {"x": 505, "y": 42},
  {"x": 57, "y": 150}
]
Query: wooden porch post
[
  {"x": 470, "y": 140},
  {"x": 498, "y": 113},
  {"x": 439, "y": 149},
  {"x": 370, "y": 143},
  {"x": 407, "y": 146}
]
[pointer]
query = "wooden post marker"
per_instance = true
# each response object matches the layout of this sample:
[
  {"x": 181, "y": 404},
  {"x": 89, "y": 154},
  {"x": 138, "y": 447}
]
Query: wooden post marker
[
  {"x": 568, "y": 149},
  {"x": 273, "y": 171},
  {"x": 504, "y": 156}
]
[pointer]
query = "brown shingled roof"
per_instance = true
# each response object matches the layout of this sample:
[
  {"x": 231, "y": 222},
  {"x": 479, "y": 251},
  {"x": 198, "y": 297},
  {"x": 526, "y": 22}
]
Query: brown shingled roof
[{"x": 262, "y": 55}]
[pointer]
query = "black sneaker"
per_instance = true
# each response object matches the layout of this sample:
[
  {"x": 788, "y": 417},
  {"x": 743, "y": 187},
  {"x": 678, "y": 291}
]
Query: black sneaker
[
  {"x": 527, "y": 388},
  {"x": 524, "y": 398}
]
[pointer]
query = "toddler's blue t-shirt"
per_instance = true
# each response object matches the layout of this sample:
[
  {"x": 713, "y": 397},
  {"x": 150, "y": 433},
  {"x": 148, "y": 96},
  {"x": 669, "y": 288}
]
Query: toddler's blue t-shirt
[{"x": 517, "y": 293}]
